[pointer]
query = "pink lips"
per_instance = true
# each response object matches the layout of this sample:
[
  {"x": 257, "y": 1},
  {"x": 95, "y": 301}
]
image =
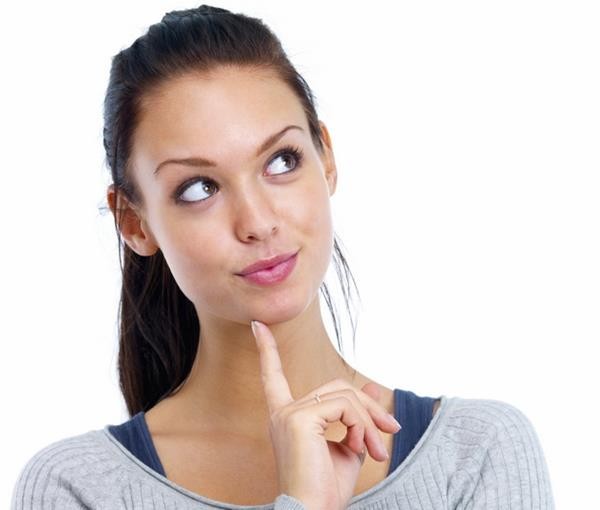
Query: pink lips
[{"x": 270, "y": 271}]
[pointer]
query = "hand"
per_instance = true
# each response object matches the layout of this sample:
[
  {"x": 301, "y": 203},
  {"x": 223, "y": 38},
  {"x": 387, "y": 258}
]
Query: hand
[{"x": 320, "y": 473}]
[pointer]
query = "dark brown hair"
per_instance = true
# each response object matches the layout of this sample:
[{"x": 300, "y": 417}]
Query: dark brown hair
[{"x": 158, "y": 325}]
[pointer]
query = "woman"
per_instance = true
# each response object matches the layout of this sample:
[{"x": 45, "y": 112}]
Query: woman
[{"x": 222, "y": 174}]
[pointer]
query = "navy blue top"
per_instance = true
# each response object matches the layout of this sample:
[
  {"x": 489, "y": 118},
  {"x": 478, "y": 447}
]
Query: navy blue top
[{"x": 413, "y": 412}]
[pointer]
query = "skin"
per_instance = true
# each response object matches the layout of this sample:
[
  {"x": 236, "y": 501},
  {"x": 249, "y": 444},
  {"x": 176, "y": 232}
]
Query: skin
[
  {"x": 321, "y": 474},
  {"x": 254, "y": 210}
]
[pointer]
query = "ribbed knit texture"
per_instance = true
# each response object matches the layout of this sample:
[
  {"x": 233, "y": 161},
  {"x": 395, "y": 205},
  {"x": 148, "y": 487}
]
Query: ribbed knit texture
[{"x": 475, "y": 454}]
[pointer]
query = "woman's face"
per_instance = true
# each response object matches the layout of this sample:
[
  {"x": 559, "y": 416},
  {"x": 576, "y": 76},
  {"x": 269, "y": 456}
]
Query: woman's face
[{"x": 211, "y": 221}]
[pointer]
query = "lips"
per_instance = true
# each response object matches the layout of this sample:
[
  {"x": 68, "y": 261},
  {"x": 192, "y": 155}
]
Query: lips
[{"x": 266, "y": 263}]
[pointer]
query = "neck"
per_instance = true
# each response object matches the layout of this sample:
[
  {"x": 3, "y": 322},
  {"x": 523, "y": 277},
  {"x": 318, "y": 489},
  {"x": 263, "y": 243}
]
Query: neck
[{"x": 224, "y": 391}]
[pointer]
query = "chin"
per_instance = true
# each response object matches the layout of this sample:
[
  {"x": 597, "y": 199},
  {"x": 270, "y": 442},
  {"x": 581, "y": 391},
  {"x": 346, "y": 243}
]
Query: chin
[
  {"x": 277, "y": 315},
  {"x": 277, "y": 309}
]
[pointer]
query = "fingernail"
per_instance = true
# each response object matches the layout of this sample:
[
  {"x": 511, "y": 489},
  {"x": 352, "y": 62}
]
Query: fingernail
[
  {"x": 253, "y": 325},
  {"x": 393, "y": 421}
]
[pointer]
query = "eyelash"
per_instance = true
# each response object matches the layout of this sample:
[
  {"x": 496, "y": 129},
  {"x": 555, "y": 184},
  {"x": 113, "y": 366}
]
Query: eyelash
[{"x": 294, "y": 151}]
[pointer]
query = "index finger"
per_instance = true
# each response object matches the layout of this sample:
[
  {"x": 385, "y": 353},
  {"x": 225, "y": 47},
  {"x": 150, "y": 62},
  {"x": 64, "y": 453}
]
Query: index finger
[{"x": 277, "y": 390}]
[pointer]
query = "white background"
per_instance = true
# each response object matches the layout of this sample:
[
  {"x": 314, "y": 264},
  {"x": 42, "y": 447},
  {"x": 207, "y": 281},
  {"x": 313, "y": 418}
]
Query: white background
[{"x": 466, "y": 136}]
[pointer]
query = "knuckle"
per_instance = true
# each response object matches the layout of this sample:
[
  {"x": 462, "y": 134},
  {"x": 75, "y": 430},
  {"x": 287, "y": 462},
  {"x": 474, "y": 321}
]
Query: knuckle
[
  {"x": 360, "y": 428},
  {"x": 351, "y": 397},
  {"x": 347, "y": 392},
  {"x": 348, "y": 398},
  {"x": 344, "y": 400}
]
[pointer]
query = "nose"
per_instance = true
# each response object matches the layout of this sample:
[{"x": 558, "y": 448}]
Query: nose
[{"x": 255, "y": 217}]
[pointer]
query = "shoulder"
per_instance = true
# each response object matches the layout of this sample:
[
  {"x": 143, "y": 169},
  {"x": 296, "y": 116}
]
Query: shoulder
[
  {"x": 487, "y": 418},
  {"x": 62, "y": 474},
  {"x": 494, "y": 456}
]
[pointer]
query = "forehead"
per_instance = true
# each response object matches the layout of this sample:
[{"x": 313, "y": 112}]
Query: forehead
[{"x": 225, "y": 113}]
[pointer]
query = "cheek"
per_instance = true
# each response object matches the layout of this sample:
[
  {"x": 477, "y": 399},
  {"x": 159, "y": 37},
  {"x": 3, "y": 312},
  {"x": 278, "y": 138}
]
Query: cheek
[
  {"x": 192, "y": 253},
  {"x": 318, "y": 210},
  {"x": 314, "y": 219}
]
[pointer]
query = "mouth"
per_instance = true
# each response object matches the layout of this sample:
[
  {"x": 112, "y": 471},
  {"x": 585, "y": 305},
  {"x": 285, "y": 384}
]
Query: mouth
[
  {"x": 270, "y": 271},
  {"x": 266, "y": 263}
]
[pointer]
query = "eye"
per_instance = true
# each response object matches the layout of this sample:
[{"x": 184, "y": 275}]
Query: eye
[
  {"x": 288, "y": 156},
  {"x": 195, "y": 190}
]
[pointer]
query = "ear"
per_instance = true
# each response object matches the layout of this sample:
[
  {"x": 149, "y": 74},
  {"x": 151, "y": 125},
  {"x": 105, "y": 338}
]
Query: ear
[
  {"x": 328, "y": 159},
  {"x": 132, "y": 225}
]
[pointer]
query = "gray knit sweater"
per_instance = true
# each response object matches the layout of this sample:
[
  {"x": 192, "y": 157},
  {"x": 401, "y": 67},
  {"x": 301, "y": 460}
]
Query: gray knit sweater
[{"x": 475, "y": 454}]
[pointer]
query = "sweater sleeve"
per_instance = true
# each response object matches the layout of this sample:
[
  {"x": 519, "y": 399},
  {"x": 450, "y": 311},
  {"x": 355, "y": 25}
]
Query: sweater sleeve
[
  {"x": 513, "y": 474},
  {"x": 285, "y": 502}
]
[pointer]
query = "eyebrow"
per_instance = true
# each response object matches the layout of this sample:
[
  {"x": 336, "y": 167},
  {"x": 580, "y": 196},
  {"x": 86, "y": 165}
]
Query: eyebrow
[{"x": 198, "y": 161}]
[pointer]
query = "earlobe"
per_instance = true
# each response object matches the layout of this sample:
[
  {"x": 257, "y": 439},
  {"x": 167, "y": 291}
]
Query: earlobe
[
  {"x": 329, "y": 162},
  {"x": 131, "y": 224}
]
